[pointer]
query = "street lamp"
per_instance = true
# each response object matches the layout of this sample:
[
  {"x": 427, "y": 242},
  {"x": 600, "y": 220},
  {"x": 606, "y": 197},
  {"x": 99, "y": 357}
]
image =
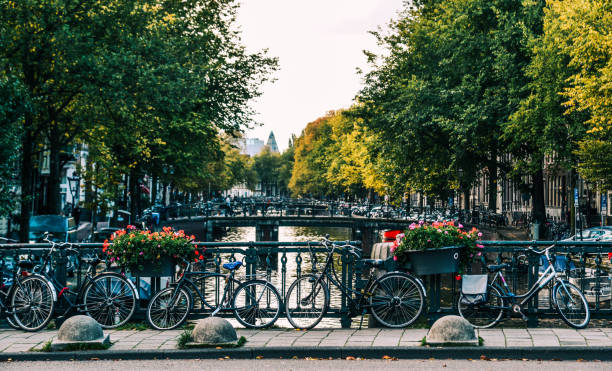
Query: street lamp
[{"x": 74, "y": 182}]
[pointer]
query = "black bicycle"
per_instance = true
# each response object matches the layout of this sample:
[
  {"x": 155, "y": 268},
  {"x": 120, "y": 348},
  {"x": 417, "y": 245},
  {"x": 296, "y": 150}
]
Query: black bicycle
[
  {"x": 255, "y": 303},
  {"x": 10, "y": 282},
  {"x": 107, "y": 297},
  {"x": 395, "y": 299}
]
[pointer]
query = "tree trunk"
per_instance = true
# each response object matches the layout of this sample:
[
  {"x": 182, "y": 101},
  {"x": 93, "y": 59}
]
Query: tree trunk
[
  {"x": 493, "y": 181},
  {"x": 154, "y": 190},
  {"x": 539, "y": 207},
  {"x": 53, "y": 183},
  {"x": 133, "y": 196},
  {"x": 466, "y": 199},
  {"x": 26, "y": 182}
]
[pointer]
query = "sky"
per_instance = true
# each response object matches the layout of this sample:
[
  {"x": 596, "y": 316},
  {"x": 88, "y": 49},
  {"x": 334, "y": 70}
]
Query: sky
[{"x": 319, "y": 44}]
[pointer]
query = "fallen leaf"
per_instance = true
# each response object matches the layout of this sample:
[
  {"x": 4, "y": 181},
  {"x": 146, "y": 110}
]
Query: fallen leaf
[
  {"x": 218, "y": 348},
  {"x": 259, "y": 357},
  {"x": 484, "y": 358},
  {"x": 294, "y": 357},
  {"x": 94, "y": 359},
  {"x": 227, "y": 357},
  {"x": 350, "y": 358}
]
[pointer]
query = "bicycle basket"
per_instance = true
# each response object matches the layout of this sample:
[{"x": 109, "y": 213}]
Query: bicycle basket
[{"x": 474, "y": 289}]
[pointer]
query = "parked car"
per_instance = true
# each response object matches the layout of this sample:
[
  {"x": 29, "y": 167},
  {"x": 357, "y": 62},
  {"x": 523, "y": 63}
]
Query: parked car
[
  {"x": 593, "y": 234},
  {"x": 62, "y": 228}
]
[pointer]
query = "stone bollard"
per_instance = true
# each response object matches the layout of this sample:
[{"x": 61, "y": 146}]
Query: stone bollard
[
  {"x": 214, "y": 330},
  {"x": 452, "y": 330},
  {"x": 80, "y": 332}
]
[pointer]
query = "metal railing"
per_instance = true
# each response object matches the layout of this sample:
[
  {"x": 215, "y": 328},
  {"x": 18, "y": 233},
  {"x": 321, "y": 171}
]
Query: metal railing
[{"x": 586, "y": 264}]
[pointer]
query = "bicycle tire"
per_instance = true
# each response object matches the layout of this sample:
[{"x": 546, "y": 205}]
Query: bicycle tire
[
  {"x": 212, "y": 286},
  {"x": 249, "y": 313},
  {"x": 396, "y": 300},
  {"x": 109, "y": 308},
  {"x": 484, "y": 315},
  {"x": 583, "y": 306},
  {"x": 163, "y": 315},
  {"x": 293, "y": 300},
  {"x": 33, "y": 289}
]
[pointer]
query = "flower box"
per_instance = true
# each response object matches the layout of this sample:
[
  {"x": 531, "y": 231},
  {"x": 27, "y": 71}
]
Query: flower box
[
  {"x": 434, "y": 261},
  {"x": 150, "y": 254},
  {"x": 164, "y": 267},
  {"x": 438, "y": 248}
]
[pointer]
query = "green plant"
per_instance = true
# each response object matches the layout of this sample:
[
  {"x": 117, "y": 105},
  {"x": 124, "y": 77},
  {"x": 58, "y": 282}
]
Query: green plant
[
  {"x": 437, "y": 235},
  {"x": 184, "y": 338},
  {"x": 134, "y": 249}
]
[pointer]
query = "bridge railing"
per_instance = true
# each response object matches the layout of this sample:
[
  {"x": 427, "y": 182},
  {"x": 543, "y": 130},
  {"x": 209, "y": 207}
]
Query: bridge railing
[{"x": 586, "y": 264}]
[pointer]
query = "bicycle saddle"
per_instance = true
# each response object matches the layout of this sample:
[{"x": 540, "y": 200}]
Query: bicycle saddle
[
  {"x": 26, "y": 264},
  {"x": 91, "y": 261},
  {"x": 376, "y": 263},
  {"x": 233, "y": 265},
  {"x": 495, "y": 268}
]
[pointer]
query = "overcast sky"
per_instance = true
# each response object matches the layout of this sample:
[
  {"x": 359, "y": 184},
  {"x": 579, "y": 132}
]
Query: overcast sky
[{"x": 319, "y": 44}]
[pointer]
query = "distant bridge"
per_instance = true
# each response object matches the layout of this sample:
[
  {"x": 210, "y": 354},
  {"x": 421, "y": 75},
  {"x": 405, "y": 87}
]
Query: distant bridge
[{"x": 266, "y": 227}]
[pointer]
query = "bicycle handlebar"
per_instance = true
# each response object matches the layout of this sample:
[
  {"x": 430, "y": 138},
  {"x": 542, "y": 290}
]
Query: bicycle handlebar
[{"x": 540, "y": 252}]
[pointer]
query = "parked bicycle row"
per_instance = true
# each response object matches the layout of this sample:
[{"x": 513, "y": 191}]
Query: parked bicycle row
[{"x": 32, "y": 296}]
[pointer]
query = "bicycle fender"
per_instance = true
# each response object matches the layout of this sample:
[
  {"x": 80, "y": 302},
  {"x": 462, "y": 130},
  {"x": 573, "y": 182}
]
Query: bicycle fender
[
  {"x": 422, "y": 285},
  {"x": 50, "y": 284}
]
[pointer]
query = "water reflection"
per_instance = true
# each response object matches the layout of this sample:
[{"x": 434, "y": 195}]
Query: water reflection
[{"x": 295, "y": 234}]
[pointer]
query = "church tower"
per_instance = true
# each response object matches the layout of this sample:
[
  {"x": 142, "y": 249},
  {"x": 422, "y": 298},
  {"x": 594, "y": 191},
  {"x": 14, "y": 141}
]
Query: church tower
[{"x": 272, "y": 143}]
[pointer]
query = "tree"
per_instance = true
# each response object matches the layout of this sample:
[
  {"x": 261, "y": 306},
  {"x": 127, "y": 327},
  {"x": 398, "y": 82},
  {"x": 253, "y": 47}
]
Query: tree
[{"x": 583, "y": 31}]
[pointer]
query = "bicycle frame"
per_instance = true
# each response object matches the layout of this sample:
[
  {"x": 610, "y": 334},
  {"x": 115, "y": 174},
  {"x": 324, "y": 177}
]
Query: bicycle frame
[{"x": 506, "y": 294}]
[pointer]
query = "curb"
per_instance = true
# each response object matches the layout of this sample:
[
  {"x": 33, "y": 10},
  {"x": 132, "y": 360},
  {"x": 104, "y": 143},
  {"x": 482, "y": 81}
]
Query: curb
[{"x": 536, "y": 353}]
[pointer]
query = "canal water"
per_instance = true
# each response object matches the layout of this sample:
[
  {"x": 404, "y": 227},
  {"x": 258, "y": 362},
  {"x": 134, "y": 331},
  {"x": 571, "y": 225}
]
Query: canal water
[{"x": 297, "y": 234}]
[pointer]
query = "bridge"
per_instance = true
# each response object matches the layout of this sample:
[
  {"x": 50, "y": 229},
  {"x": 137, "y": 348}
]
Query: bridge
[{"x": 266, "y": 226}]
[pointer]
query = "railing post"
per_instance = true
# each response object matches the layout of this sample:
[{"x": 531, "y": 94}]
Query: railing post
[
  {"x": 60, "y": 271},
  {"x": 532, "y": 277},
  {"x": 345, "y": 318}
]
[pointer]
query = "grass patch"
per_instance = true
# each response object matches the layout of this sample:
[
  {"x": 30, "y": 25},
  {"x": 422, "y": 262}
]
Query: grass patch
[
  {"x": 185, "y": 341},
  {"x": 138, "y": 326},
  {"x": 424, "y": 343},
  {"x": 51, "y": 325},
  {"x": 73, "y": 347},
  {"x": 184, "y": 338},
  {"x": 45, "y": 348}
]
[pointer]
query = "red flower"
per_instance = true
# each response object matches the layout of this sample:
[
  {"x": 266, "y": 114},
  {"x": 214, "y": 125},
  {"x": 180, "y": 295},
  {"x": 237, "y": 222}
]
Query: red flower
[
  {"x": 201, "y": 257},
  {"x": 196, "y": 252},
  {"x": 105, "y": 245}
]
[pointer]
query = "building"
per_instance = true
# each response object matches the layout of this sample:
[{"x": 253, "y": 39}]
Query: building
[{"x": 272, "y": 143}]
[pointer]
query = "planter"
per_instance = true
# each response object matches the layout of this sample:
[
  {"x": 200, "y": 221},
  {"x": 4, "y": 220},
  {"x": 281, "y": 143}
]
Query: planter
[
  {"x": 434, "y": 261},
  {"x": 164, "y": 267}
]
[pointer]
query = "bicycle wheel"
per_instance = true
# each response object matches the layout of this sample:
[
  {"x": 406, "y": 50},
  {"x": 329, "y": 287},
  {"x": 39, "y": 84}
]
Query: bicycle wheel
[
  {"x": 166, "y": 312},
  {"x": 257, "y": 304},
  {"x": 397, "y": 300},
  {"x": 306, "y": 302},
  {"x": 571, "y": 305},
  {"x": 109, "y": 299},
  {"x": 212, "y": 287},
  {"x": 483, "y": 315},
  {"x": 33, "y": 302}
]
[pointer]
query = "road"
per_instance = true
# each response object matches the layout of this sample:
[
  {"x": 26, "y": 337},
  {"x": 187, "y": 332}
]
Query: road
[{"x": 304, "y": 364}]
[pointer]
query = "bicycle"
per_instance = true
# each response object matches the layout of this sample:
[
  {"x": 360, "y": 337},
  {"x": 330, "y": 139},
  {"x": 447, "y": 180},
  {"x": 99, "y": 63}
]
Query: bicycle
[
  {"x": 568, "y": 300},
  {"x": 395, "y": 299},
  {"x": 255, "y": 303},
  {"x": 107, "y": 297},
  {"x": 8, "y": 285}
]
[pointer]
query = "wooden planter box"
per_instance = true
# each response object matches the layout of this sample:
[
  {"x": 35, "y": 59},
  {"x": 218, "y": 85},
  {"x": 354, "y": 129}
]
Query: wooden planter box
[{"x": 434, "y": 261}]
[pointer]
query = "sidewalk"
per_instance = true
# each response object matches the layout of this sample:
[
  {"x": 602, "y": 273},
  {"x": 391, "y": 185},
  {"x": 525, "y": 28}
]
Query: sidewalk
[{"x": 546, "y": 343}]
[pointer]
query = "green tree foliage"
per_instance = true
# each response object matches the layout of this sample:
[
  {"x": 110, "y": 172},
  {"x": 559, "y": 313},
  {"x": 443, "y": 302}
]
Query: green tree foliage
[
  {"x": 440, "y": 97},
  {"x": 582, "y": 30}
]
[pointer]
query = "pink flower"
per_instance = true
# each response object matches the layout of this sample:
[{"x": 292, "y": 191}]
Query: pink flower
[
  {"x": 479, "y": 246},
  {"x": 394, "y": 258},
  {"x": 428, "y": 240},
  {"x": 392, "y": 248},
  {"x": 421, "y": 222},
  {"x": 479, "y": 254},
  {"x": 401, "y": 235},
  {"x": 140, "y": 253},
  {"x": 479, "y": 234},
  {"x": 445, "y": 232},
  {"x": 460, "y": 226},
  {"x": 412, "y": 226}
]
